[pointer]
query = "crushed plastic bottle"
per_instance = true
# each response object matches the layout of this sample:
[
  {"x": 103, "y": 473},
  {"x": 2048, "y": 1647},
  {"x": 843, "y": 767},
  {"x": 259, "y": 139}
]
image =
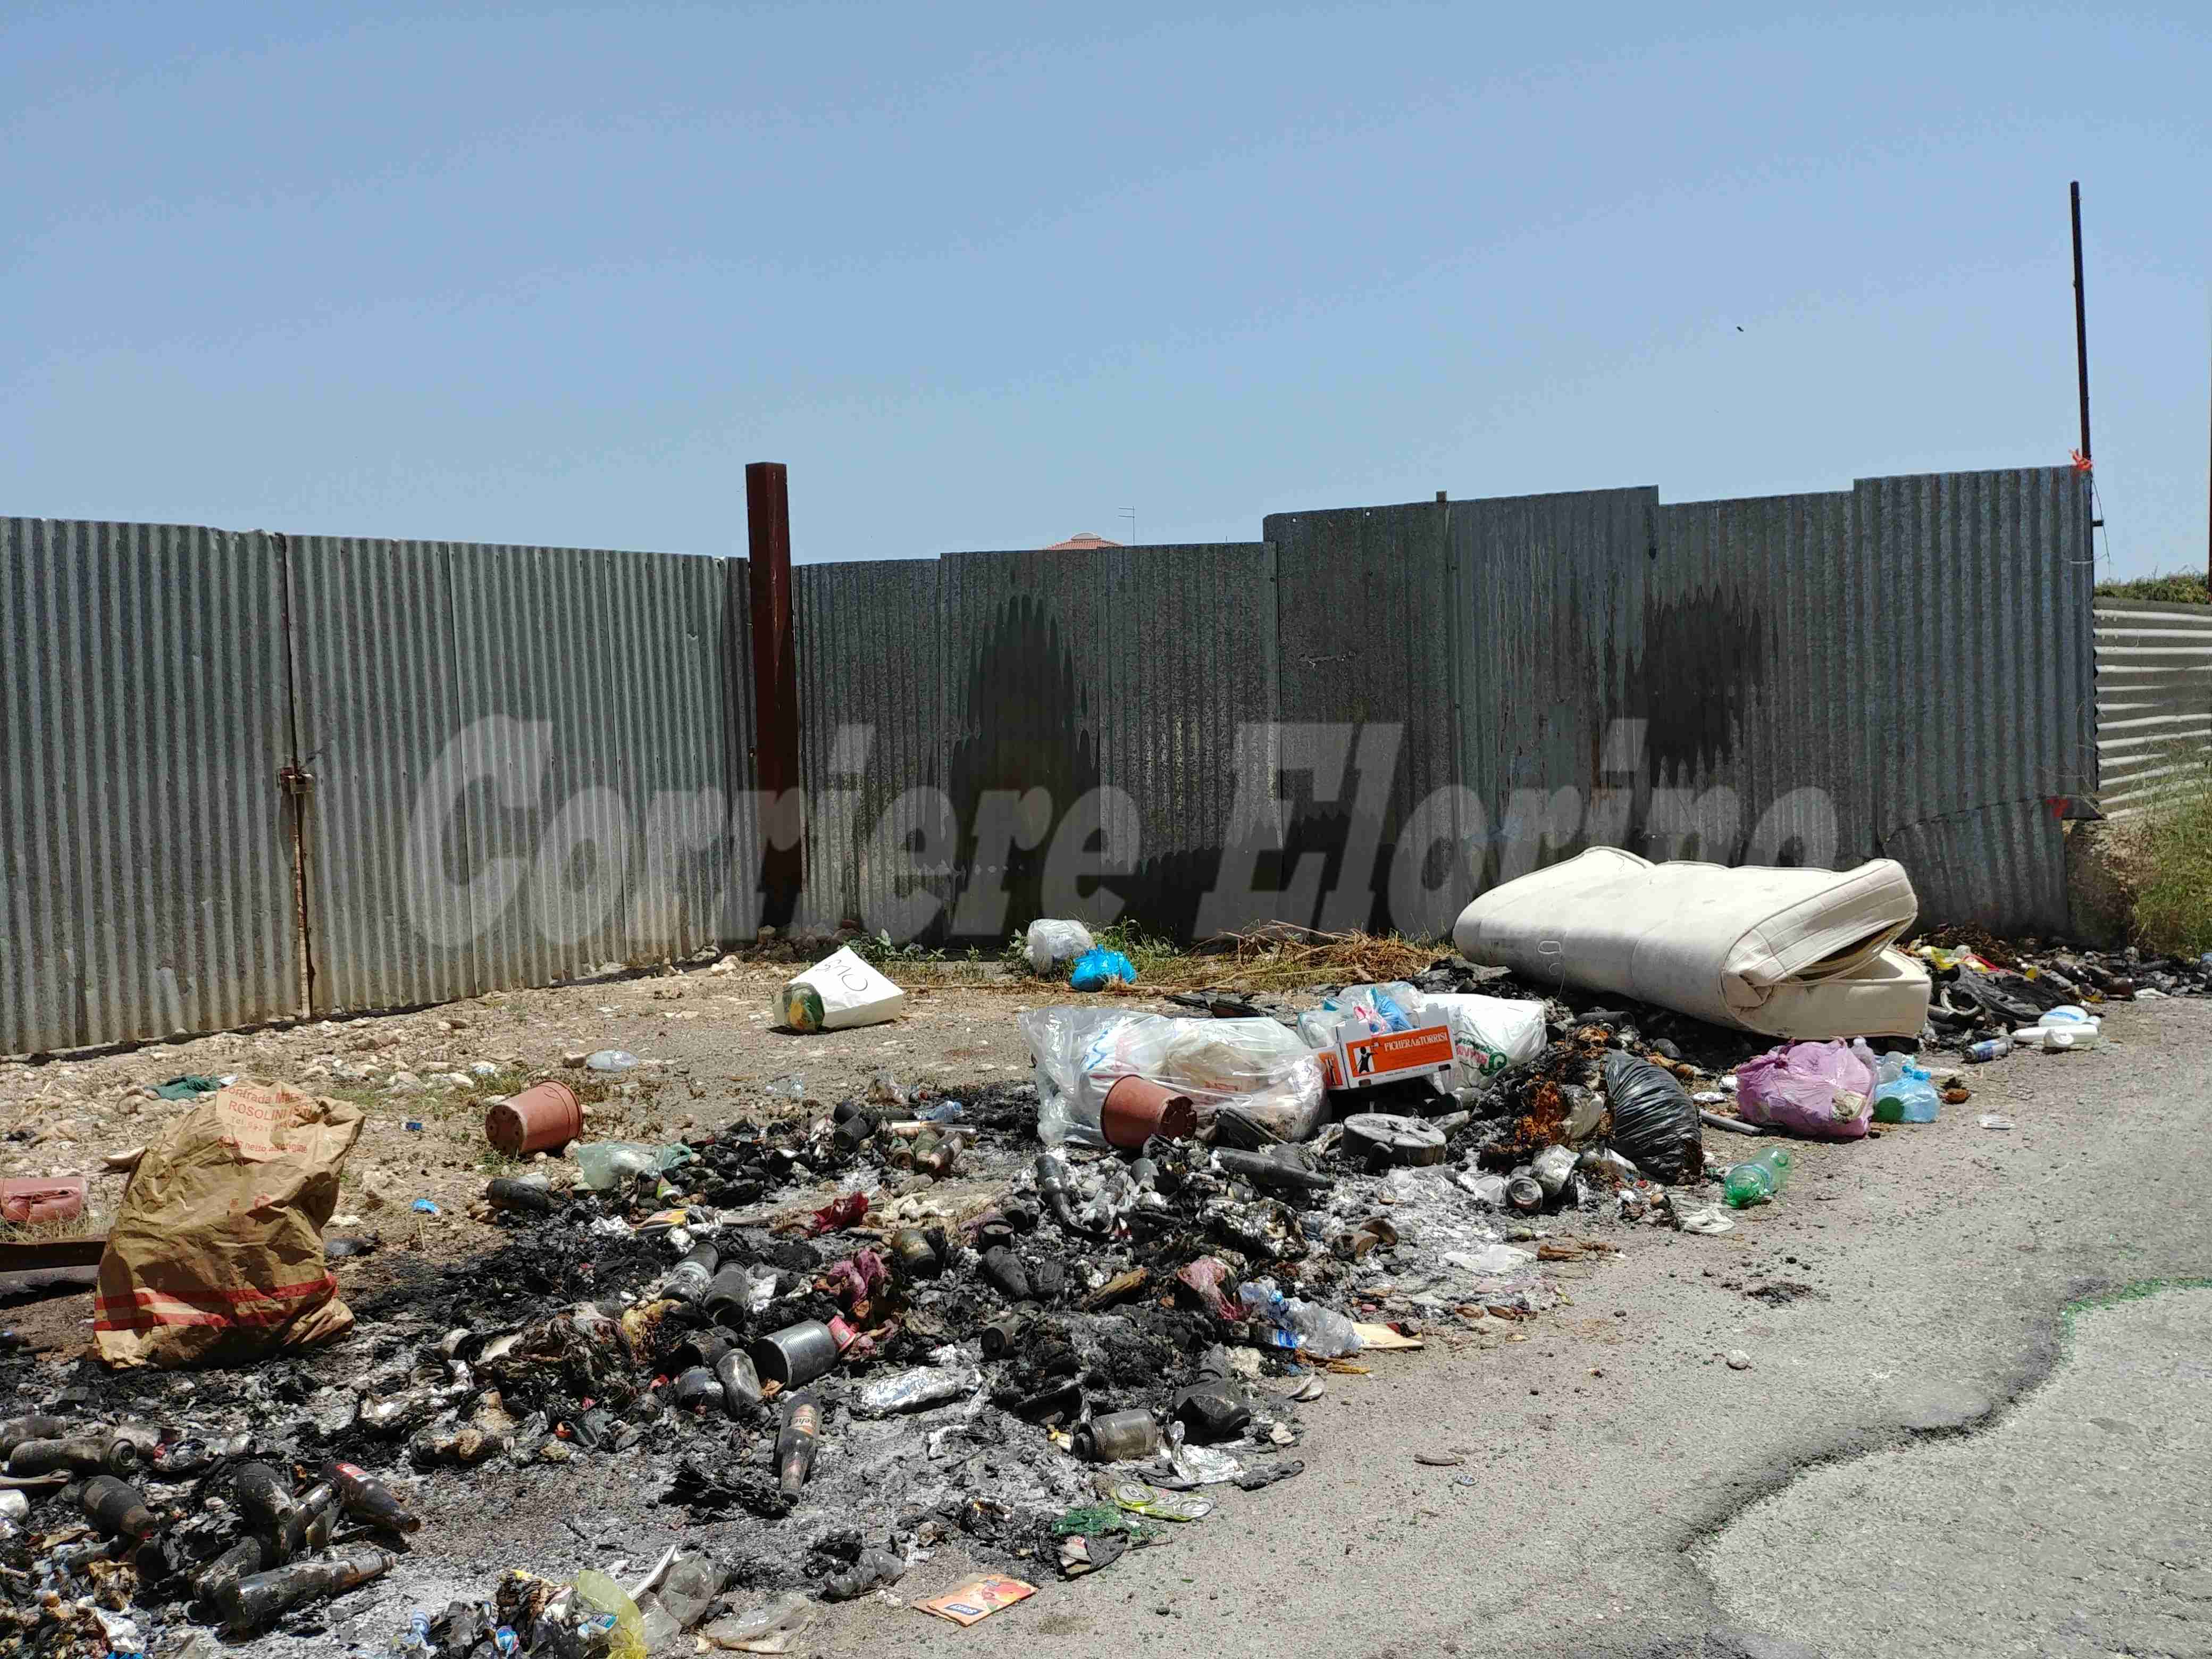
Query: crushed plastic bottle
[
  {"x": 792, "y": 1087},
  {"x": 605, "y": 1165},
  {"x": 1758, "y": 1178},
  {"x": 766, "y": 1629},
  {"x": 1297, "y": 1323},
  {"x": 611, "y": 1059}
]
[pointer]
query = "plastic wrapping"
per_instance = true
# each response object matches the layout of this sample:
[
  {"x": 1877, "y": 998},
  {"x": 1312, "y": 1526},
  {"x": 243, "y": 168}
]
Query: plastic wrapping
[
  {"x": 1488, "y": 1034},
  {"x": 839, "y": 991},
  {"x": 1820, "y": 1088},
  {"x": 1053, "y": 945},
  {"x": 1654, "y": 1121},
  {"x": 1258, "y": 1066}
]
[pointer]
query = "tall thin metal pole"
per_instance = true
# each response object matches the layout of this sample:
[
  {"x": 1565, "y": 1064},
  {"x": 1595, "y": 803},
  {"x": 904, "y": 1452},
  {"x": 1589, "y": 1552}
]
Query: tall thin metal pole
[
  {"x": 775, "y": 678},
  {"x": 2080, "y": 321}
]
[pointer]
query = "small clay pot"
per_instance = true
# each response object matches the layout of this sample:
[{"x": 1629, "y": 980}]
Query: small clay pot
[
  {"x": 543, "y": 1118},
  {"x": 1137, "y": 1108}
]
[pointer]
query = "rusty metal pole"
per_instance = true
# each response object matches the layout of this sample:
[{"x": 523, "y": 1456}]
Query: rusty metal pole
[
  {"x": 2080, "y": 321},
  {"x": 775, "y": 680}
]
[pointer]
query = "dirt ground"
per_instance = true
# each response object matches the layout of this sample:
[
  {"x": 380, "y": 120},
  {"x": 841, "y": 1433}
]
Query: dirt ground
[{"x": 704, "y": 1040}]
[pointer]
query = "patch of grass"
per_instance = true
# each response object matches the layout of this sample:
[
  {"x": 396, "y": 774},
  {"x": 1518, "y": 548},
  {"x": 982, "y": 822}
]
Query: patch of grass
[
  {"x": 495, "y": 1163},
  {"x": 2171, "y": 852},
  {"x": 87, "y": 1224},
  {"x": 2175, "y": 587}
]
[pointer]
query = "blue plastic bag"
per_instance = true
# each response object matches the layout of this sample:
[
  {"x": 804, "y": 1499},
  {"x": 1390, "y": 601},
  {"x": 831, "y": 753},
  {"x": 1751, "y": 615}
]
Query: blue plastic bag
[{"x": 1097, "y": 967}]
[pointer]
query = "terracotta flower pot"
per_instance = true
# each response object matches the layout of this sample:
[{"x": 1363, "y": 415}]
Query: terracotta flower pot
[
  {"x": 543, "y": 1118},
  {"x": 1137, "y": 1108}
]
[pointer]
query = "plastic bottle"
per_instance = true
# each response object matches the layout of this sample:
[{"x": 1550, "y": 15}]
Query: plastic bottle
[
  {"x": 251, "y": 1603},
  {"x": 1297, "y": 1323},
  {"x": 688, "y": 1588},
  {"x": 795, "y": 1443},
  {"x": 1758, "y": 1178},
  {"x": 597, "y": 1593},
  {"x": 612, "y": 1059},
  {"x": 777, "y": 1622},
  {"x": 874, "y": 1567},
  {"x": 414, "y": 1641},
  {"x": 604, "y": 1165},
  {"x": 1903, "y": 1092},
  {"x": 367, "y": 1498}
]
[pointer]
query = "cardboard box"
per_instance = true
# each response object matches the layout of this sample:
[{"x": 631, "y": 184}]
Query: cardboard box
[{"x": 1361, "y": 1062}]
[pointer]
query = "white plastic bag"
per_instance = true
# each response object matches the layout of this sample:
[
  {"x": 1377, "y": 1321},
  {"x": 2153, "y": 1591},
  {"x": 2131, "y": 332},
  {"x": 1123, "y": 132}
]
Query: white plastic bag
[
  {"x": 1258, "y": 1065},
  {"x": 1488, "y": 1034},
  {"x": 837, "y": 992},
  {"x": 1053, "y": 945}
]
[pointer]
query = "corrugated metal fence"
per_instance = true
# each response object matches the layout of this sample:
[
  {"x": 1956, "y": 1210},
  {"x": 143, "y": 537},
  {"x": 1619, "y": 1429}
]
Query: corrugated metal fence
[
  {"x": 513, "y": 764},
  {"x": 520, "y": 762},
  {"x": 2154, "y": 699}
]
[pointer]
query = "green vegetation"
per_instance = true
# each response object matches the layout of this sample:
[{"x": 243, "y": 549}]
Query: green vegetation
[
  {"x": 2178, "y": 588},
  {"x": 2171, "y": 860}
]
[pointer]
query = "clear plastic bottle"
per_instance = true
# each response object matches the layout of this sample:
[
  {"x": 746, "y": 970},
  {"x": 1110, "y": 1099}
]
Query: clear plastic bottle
[
  {"x": 1297, "y": 1323},
  {"x": 612, "y": 1059},
  {"x": 783, "y": 1618}
]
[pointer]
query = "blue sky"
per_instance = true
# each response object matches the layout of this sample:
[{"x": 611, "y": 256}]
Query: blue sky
[{"x": 987, "y": 276}]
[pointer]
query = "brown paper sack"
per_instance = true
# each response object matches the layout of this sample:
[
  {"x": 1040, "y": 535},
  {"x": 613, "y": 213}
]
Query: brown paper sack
[{"x": 216, "y": 1253}]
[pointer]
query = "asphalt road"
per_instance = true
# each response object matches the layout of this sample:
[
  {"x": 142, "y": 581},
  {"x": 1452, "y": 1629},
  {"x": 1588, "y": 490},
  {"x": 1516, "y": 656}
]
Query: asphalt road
[{"x": 1915, "y": 1461}]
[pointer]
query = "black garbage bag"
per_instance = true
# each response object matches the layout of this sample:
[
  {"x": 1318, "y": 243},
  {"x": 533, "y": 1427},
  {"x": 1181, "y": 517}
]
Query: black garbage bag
[
  {"x": 1654, "y": 1121},
  {"x": 2007, "y": 999}
]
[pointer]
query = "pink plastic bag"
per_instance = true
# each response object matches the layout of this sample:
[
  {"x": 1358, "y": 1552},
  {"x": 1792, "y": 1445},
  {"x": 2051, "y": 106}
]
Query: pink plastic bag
[{"x": 1822, "y": 1088}]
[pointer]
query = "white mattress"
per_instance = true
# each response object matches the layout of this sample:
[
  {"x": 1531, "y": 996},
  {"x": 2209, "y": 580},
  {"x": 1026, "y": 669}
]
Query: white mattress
[{"x": 1802, "y": 954}]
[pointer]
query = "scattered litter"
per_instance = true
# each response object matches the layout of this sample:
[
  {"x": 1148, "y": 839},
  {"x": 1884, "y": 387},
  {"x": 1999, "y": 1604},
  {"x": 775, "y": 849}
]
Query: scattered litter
[
  {"x": 215, "y": 1253},
  {"x": 1096, "y": 970},
  {"x": 1053, "y": 944},
  {"x": 977, "y": 1599},
  {"x": 1738, "y": 1360},
  {"x": 425, "y": 1207},
  {"x": 190, "y": 1086},
  {"x": 611, "y": 1059},
  {"x": 1993, "y": 1121},
  {"x": 837, "y": 993}
]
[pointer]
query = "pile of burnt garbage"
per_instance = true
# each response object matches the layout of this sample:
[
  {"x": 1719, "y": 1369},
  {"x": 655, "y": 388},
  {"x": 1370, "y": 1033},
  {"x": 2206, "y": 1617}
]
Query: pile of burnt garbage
[{"x": 824, "y": 1346}]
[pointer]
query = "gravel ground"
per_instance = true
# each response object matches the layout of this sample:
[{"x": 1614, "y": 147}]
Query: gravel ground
[
  {"x": 1622, "y": 1489},
  {"x": 703, "y": 1040}
]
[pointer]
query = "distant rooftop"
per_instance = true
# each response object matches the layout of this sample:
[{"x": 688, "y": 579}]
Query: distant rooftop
[{"x": 1082, "y": 542}]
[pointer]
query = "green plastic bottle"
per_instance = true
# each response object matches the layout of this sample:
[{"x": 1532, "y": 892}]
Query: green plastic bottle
[{"x": 1757, "y": 1178}]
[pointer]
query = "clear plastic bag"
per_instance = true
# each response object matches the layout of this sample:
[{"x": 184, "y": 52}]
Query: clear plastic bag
[
  {"x": 1257, "y": 1065},
  {"x": 1488, "y": 1034},
  {"x": 1053, "y": 945},
  {"x": 1822, "y": 1088}
]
